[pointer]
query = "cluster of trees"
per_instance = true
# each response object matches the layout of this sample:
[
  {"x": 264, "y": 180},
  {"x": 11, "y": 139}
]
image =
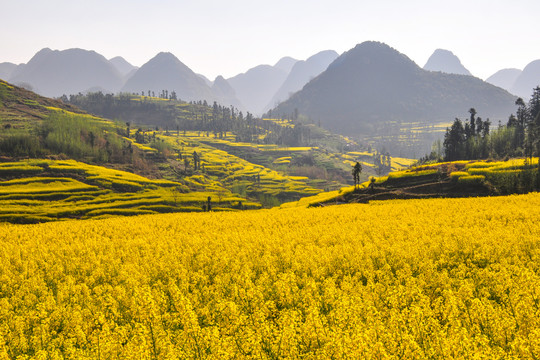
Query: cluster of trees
[
  {"x": 297, "y": 134},
  {"x": 163, "y": 95},
  {"x": 467, "y": 140},
  {"x": 193, "y": 116},
  {"x": 76, "y": 136},
  {"x": 472, "y": 139}
]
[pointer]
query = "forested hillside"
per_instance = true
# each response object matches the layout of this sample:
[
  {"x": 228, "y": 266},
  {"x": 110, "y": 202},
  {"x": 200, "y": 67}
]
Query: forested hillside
[{"x": 373, "y": 91}]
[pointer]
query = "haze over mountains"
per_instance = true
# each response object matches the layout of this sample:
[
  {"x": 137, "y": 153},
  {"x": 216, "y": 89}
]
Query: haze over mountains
[
  {"x": 257, "y": 86},
  {"x": 445, "y": 61},
  {"x": 6, "y": 69},
  {"x": 527, "y": 80},
  {"x": 224, "y": 91},
  {"x": 54, "y": 73},
  {"x": 355, "y": 93},
  {"x": 373, "y": 84},
  {"x": 166, "y": 72},
  {"x": 123, "y": 67},
  {"x": 504, "y": 78},
  {"x": 518, "y": 82},
  {"x": 300, "y": 74}
]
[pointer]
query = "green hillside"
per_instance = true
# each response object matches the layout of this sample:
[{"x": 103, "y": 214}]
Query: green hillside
[
  {"x": 375, "y": 93},
  {"x": 58, "y": 162},
  {"x": 46, "y": 190},
  {"x": 466, "y": 178}
]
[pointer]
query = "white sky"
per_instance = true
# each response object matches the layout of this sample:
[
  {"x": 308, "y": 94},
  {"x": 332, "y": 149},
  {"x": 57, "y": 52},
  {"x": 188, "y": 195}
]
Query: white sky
[{"x": 227, "y": 37}]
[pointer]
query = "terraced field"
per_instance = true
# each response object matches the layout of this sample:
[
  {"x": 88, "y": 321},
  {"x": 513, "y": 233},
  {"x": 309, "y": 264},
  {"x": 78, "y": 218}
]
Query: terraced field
[
  {"x": 46, "y": 190},
  {"x": 450, "y": 179},
  {"x": 234, "y": 172}
]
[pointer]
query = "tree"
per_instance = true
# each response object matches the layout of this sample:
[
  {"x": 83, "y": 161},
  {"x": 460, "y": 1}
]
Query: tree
[
  {"x": 454, "y": 138},
  {"x": 357, "y": 169},
  {"x": 534, "y": 123},
  {"x": 472, "y": 111},
  {"x": 196, "y": 161}
]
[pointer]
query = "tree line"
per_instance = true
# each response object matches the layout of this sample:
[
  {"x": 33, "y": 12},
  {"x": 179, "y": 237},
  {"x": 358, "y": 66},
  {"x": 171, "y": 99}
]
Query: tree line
[
  {"x": 475, "y": 139},
  {"x": 181, "y": 116}
]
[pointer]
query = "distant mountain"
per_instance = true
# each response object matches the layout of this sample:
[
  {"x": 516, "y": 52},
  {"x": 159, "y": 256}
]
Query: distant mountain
[
  {"x": 301, "y": 73},
  {"x": 54, "y": 73},
  {"x": 504, "y": 78},
  {"x": 527, "y": 80},
  {"x": 206, "y": 80},
  {"x": 445, "y": 61},
  {"x": 373, "y": 84},
  {"x": 122, "y": 65},
  {"x": 6, "y": 69},
  {"x": 256, "y": 87},
  {"x": 225, "y": 93},
  {"x": 166, "y": 72},
  {"x": 285, "y": 64}
]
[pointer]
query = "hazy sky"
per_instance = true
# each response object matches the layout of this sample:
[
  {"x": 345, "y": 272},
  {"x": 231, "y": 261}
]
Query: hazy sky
[{"x": 227, "y": 37}]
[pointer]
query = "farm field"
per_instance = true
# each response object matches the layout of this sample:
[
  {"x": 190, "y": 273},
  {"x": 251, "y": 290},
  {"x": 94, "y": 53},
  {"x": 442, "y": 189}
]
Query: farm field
[
  {"x": 415, "y": 279},
  {"x": 447, "y": 179},
  {"x": 45, "y": 190}
]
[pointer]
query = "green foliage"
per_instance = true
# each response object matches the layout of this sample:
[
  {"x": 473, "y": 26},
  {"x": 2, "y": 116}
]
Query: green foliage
[
  {"x": 20, "y": 145},
  {"x": 519, "y": 137},
  {"x": 76, "y": 136},
  {"x": 163, "y": 147}
]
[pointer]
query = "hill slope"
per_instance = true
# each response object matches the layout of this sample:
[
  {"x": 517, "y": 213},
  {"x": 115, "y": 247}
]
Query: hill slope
[
  {"x": 21, "y": 107},
  {"x": 166, "y": 72},
  {"x": 256, "y": 87},
  {"x": 225, "y": 94},
  {"x": 285, "y": 64},
  {"x": 527, "y": 80},
  {"x": 373, "y": 85},
  {"x": 445, "y": 61},
  {"x": 505, "y": 78},
  {"x": 301, "y": 73},
  {"x": 237, "y": 175},
  {"x": 54, "y": 73},
  {"x": 458, "y": 179},
  {"x": 122, "y": 65},
  {"x": 6, "y": 69}
]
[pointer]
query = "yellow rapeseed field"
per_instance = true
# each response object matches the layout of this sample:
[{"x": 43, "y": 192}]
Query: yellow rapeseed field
[{"x": 415, "y": 279}]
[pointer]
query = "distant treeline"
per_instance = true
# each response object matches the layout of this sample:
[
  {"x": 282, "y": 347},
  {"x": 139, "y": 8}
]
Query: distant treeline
[
  {"x": 171, "y": 114},
  {"x": 474, "y": 139}
]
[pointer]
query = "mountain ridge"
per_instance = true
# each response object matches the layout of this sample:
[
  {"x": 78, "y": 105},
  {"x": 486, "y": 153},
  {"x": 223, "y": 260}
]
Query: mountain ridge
[
  {"x": 527, "y": 80},
  {"x": 301, "y": 73},
  {"x": 373, "y": 84},
  {"x": 53, "y": 73},
  {"x": 166, "y": 72},
  {"x": 255, "y": 87},
  {"x": 445, "y": 61}
]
